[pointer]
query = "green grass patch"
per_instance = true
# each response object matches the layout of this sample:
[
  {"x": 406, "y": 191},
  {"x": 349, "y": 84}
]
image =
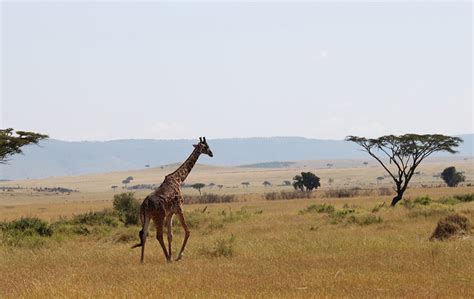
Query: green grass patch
[
  {"x": 221, "y": 248},
  {"x": 318, "y": 208}
]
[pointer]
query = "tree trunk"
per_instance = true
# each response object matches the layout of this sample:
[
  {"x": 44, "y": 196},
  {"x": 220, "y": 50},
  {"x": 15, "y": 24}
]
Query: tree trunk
[{"x": 397, "y": 198}]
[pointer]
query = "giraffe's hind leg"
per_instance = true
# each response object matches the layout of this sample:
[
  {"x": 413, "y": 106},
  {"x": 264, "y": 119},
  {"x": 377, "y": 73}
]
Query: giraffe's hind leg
[
  {"x": 159, "y": 219},
  {"x": 143, "y": 234},
  {"x": 168, "y": 223}
]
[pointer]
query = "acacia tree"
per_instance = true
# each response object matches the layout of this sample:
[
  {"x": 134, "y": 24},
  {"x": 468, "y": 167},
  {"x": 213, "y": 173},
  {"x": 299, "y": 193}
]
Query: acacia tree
[
  {"x": 404, "y": 153},
  {"x": 452, "y": 177},
  {"x": 307, "y": 180},
  {"x": 11, "y": 142},
  {"x": 198, "y": 187}
]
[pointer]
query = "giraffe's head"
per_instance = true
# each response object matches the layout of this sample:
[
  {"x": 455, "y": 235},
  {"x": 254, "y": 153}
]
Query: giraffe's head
[{"x": 203, "y": 147}]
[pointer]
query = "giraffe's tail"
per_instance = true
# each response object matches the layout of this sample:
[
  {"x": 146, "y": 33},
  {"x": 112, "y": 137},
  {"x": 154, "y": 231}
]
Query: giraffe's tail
[{"x": 140, "y": 234}]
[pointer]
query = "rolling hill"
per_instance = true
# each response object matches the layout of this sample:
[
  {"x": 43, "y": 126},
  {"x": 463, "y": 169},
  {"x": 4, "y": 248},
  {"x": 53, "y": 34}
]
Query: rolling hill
[{"x": 62, "y": 158}]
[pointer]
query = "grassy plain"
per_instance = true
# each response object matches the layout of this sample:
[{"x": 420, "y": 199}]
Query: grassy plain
[{"x": 249, "y": 248}]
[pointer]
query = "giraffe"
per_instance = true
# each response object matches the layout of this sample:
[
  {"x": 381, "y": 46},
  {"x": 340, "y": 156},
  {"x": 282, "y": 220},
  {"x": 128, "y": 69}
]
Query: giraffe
[{"x": 166, "y": 201}]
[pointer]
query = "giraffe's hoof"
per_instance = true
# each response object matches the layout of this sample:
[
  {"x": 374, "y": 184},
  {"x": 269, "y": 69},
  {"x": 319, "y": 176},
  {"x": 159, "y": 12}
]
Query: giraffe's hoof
[{"x": 179, "y": 257}]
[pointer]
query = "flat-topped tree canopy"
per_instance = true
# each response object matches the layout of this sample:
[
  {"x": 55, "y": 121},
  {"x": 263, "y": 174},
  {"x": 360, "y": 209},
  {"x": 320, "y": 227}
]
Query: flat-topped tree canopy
[
  {"x": 11, "y": 142},
  {"x": 405, "y": 152}
]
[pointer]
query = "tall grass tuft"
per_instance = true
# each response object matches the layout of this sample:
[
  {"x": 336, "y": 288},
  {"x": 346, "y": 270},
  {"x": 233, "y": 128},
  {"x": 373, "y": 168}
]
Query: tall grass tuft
[{"x": 221, "y": 248}]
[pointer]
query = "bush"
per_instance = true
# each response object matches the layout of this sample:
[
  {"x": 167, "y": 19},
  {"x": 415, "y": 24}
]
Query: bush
[
  {"x": 465, "y": 197},
  {"x": 452, "y": 177},
  {"x": 27, "y": 226},
  {"x": 451, "y": 226},
  {"x": 317, "y": 208},
  {"x": 365, "y": 219},
  {"x": 209, "y": 198},
  {"x": 419, "y": 201},
  {"x": 104, "y": 217},
  {"x": 127, "y": 207},
  {"x": 286, "y": 195},
  {"x": 25, "y": 232},
  {"x": 349, "y": 192},
  {"x": 449, "y": 201}
]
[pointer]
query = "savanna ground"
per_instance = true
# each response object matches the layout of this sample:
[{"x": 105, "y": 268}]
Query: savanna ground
[{"x": 318, "y": 247}]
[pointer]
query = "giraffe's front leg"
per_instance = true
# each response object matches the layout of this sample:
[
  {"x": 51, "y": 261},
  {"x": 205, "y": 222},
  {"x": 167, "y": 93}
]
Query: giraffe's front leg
[
  {"x": 186, "y": 233},
  {"x": 169, "y": 222}
]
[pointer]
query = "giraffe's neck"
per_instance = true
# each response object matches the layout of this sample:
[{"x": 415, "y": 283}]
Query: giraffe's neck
[{"x": 183, "y": 171}]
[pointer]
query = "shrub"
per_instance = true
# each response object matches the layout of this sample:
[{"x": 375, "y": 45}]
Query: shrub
[
  {"x": 452, "y": 177},
  {"x": 25, "y": 232},
  {"x": 449, "y": 201},
  {"x": 465, "y": 197},
  {"x": 317, "y": 208},
  {"x": 419, "y": 201},
  {"x": 424, "y": 200},
  {"x": 348, "y": 192},
  {"x": 365, "y": 219},
  {"x": 451, "y": 226},
  {"x": 127, "y": 207},
  {"x": 104, "y": 217},
  {"x": 339, "y": 215},
  {"x": 286, "y": 195},
  {"x": 27, "y": 226},
  {"x": 209, "y": 198}
]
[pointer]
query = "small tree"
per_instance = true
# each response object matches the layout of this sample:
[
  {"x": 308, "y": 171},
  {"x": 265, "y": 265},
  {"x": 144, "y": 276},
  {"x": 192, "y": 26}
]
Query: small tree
[
  {"x": 211, "y": 185},
  {"x": 286, "y": 183},
  {"x": 125, "y": 182},
  {"x": 330, "y": 181},
  {"x": 11, "y": 142},
  {"x": 329, "y": 165},
  {"x": 307, "y": 180},
  {"x": 452, "y": 177},
  {"x": 365, "y": 163},
  {"x": 266, "y": 183},
  {"x": 220, "y": 186},
  {"x": 199, "y": 186},
  {"x": 404, "y": 153},
  {"x": 114, "y": 187}
]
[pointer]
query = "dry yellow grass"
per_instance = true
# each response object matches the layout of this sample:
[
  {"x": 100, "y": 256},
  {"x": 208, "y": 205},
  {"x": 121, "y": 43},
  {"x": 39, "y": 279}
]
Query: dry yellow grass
[{"x": 277, "y": 253}]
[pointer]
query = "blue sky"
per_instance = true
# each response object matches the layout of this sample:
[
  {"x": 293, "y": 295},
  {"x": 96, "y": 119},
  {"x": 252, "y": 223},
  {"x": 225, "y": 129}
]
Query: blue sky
[{"x": 110, "y": 70}]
